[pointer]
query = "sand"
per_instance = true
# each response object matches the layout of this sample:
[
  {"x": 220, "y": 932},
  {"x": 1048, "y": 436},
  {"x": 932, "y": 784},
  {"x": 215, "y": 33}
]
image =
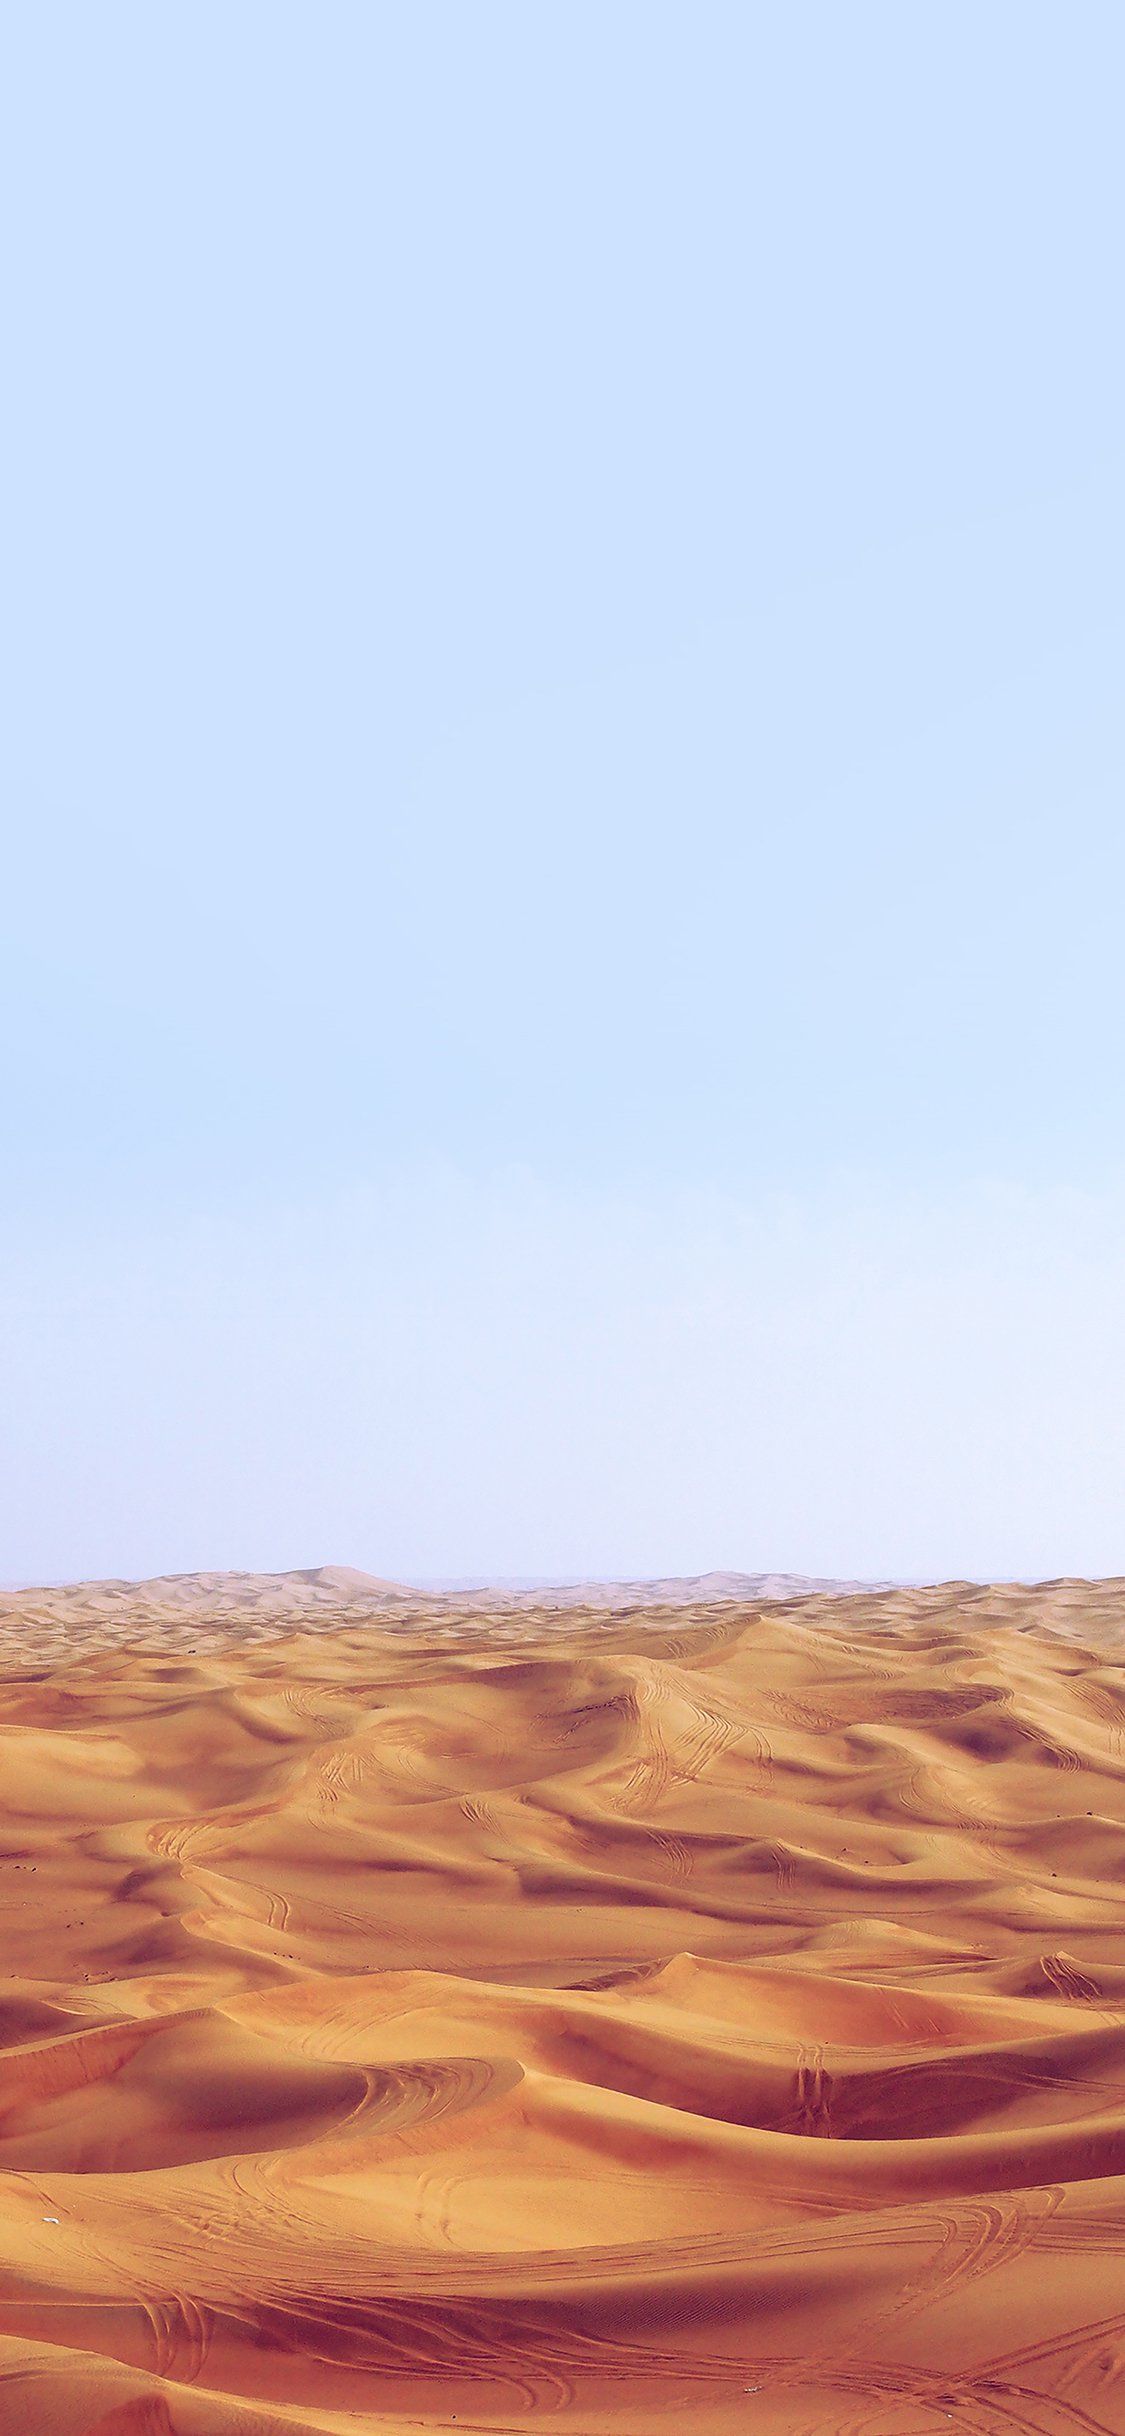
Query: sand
[{"x": 611, "y": 2016}]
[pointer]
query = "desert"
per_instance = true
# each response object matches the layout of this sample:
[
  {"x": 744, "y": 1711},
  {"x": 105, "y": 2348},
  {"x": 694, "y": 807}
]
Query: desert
[
  {"x": 656, "y": 2008},
  {"x": 562, "y": 1219}
]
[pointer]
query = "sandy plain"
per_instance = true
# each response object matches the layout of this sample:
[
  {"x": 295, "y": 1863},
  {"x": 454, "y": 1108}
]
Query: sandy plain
[{"x": 638, "y": 2011}]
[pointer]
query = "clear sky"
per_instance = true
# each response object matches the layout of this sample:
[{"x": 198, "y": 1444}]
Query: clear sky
[{"x": 562, "y": 759}]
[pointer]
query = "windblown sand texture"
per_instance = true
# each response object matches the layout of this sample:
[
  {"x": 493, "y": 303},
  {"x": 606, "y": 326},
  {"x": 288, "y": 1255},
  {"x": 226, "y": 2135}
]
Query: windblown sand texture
[{"x": 707, "y": 2017}]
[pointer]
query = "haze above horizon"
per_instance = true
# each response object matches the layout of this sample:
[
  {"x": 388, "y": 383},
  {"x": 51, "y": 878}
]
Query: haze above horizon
[{"x": 562, "y": 983}]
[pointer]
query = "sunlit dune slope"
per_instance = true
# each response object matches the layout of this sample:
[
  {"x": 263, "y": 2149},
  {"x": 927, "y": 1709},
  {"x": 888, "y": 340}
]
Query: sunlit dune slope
[{"x": 420, "y": 2013}]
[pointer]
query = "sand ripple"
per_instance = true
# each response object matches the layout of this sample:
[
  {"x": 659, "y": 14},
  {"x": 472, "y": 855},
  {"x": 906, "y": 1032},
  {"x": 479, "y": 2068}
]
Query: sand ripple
[{"x": 709, "y": 2018}]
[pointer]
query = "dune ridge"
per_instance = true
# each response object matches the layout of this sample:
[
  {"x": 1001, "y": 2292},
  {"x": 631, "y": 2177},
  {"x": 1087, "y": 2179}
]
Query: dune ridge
[{"x": 429, "y": 2009}]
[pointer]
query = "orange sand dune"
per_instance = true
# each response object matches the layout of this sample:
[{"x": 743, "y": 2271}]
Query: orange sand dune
[{"x": 441, "y": 2011}]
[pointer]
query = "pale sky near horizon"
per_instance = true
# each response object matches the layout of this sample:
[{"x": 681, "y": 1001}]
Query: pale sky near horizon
[{"x": 563, "y": 751}]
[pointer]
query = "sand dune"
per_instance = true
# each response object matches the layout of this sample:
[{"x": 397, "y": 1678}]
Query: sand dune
[{"x": 428, "y": 2010}]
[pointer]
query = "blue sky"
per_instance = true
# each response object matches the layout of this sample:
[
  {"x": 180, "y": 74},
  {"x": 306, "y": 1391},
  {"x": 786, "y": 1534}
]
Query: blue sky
[{"x": 563, "y": 769}]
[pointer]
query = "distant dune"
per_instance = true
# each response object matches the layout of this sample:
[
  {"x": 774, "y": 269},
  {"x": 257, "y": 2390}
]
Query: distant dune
[
  {"x": 323, "y": 1593},
  {"x": 697, "y": 2010},
  {"x": 317, "y": 1586},
  {"x": 666, "y": 1590},
  {"x": 206, "y": 1607}
]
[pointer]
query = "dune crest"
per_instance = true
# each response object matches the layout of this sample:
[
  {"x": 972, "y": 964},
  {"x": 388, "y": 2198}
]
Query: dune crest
[{"x": 430, "y": 2009}]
